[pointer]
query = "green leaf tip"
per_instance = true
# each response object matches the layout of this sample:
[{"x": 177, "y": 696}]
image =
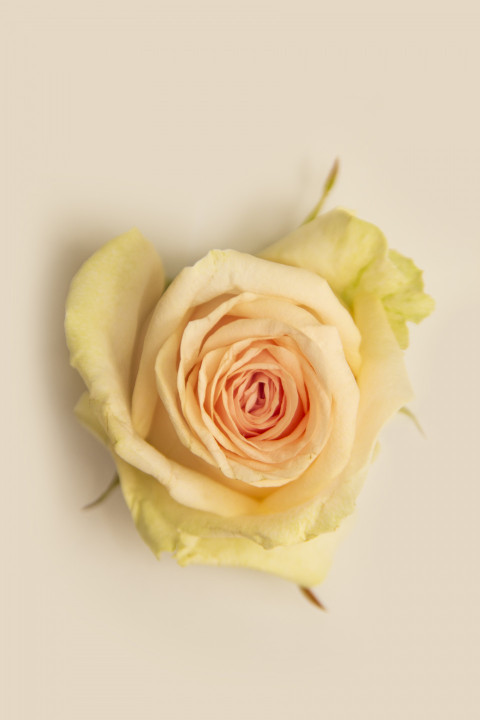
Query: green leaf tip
[
  {"x": 104, "y": 495},
  {"x": 411, "y": 415}
]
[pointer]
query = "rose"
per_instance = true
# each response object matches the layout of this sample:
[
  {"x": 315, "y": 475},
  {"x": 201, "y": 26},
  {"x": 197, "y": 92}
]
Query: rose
[{"x": 243, "y": 403}]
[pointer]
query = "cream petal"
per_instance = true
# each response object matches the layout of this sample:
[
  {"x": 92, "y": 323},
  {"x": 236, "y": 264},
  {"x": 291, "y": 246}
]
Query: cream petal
[
  {"x": 172, "y": 394},
  {"x": 197, "y": 332},
  {"x": 336, "y": 453},
  {"x": 384, "y": 389},
  {"x": 163, "y": 437},
  {"x": 186, "y": 486},
  {"x": 383, "y": 382}
]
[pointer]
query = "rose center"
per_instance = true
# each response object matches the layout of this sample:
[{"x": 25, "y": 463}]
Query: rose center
[
  {"x": 256, "y": 395},
  {"x": 255, "y": 399}
]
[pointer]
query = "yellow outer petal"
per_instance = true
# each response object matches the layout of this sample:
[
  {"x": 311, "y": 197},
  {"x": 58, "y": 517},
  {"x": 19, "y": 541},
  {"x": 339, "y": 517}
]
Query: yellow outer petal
[
  {"x": 85, "y": 412},
  {"x": 109, "y": 299},
  {"x": 159, "y": 521}
]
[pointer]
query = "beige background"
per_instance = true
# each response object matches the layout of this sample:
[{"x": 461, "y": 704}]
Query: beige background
[{"x": 213, "y": 124}]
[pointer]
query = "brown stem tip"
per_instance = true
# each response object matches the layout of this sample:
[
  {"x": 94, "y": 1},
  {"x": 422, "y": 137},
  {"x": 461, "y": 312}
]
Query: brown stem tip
[{"x": 312, "y": 598}]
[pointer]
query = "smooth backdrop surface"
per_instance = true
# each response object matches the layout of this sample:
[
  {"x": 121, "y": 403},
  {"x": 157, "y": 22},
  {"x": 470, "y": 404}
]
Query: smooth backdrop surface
[{"x": 214, "y": 124}]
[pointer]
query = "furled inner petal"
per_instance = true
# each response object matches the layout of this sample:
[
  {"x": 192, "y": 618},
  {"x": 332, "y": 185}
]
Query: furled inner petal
[
  {"x": 253, "y": 393},
  {"x": 260, "y": 402}
]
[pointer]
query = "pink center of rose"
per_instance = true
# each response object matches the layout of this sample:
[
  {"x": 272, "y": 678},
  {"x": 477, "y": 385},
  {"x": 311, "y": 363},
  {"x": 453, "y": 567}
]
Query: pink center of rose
[
  {"x": 255, "y": 401},
  {"x": 262, "y": 402}
]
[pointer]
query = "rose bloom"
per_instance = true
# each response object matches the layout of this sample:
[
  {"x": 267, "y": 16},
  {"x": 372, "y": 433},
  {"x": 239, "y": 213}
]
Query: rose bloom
[{"x": 243, "y": 403}]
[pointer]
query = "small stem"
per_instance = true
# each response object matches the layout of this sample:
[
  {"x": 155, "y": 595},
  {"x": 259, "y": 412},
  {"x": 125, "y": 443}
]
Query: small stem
[
  {"x": 328, "y": 185},
  {"x": 312, "y": 598},
  {"x": 104, "y": 495}
]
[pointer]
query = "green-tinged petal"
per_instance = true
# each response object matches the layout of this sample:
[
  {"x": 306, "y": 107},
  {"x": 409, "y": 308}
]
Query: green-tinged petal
[
  {"x": 306, "y": 563},
  {"x": 110, "y": 297},
  {"x": 85, "y": 412},
  {"x": 161, "y": 523},
  {"x": 353, "y": 256},
  {"x": 383, "y": 382},
  {"x": 411, "y": 416}
]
